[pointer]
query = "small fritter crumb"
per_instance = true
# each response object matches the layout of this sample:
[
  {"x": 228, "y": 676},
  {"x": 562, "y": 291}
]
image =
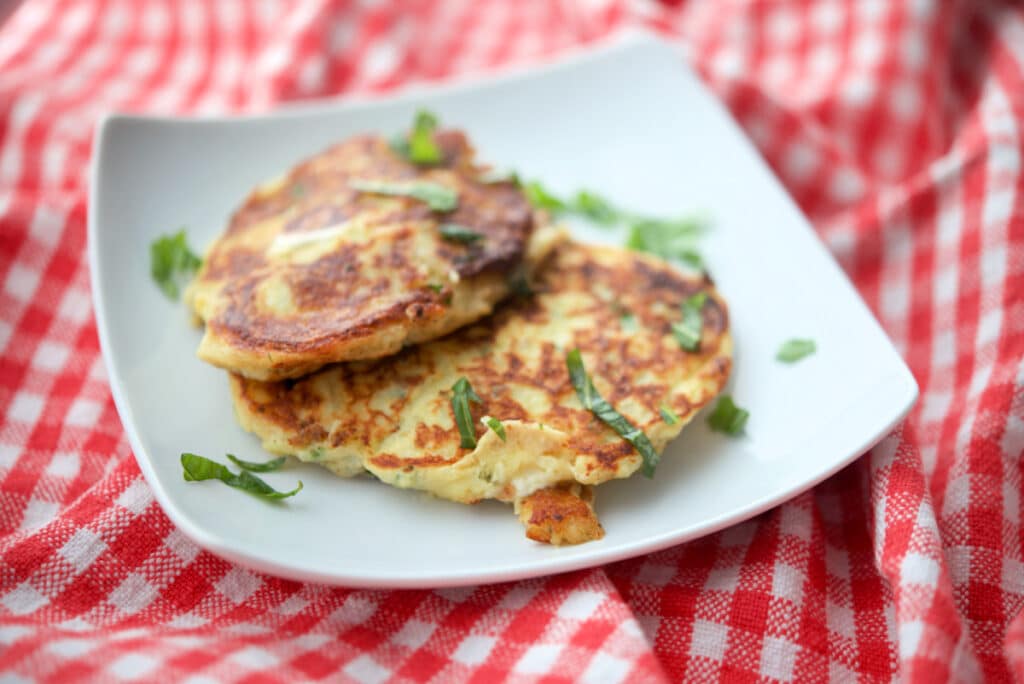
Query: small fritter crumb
[{"x": 560, "y": 515}]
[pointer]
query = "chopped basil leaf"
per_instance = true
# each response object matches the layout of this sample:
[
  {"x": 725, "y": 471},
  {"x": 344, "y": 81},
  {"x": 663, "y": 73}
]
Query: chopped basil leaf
[
  {"x": 728, "y": 417},
  {"x": 435, "y": 287},
  {"x": 422, "y": 147},
  {"x": 437, "y": 197},
  {"x": 172, "y": 262},
  {"x": 668, "y": 415},
  {"x": 607, "y": 414},
  {"x": 669, "y": 239},
  {"x": 519, "y": 286},
  {"x": 688, "y": 331},
  {"x": 595, "y": 208},
  {"x": 492, "y": 176},
  {"x": 258, "y": 467},
  {"x": 580, "y": 380},
  {"x": 495, "y": 425},
  {"x": 691, "y": 258},
  {"x": 198, "y": 468},
  {"x": 425, "y": 120},
  {"x": 628, "y": 322},
  {"x": 540, "y": 198},
  {"x": 453, "y": 232},
  {"x": 796, "y": 349},
  {"x": 462, "y": 394},
  {"x": 419, "y": 146},
  {"x": 586, "y": 204}
]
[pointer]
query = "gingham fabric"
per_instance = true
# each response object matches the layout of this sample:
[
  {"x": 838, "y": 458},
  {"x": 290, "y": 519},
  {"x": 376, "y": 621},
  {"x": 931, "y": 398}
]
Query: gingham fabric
[{"x": 895, "y": 125}]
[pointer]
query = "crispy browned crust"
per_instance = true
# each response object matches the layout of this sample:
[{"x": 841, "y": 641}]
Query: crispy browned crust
[
  {"x": 353, "y": 302},
  {"x": 560, "y": 515}
]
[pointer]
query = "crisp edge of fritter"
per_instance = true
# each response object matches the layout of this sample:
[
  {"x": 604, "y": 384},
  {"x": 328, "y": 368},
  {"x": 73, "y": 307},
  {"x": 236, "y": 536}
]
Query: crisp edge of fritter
[{"x": 402, "y": 326}]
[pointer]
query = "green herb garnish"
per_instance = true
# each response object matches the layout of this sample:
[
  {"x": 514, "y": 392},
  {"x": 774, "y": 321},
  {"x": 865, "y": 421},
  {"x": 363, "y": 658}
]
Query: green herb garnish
[
  {"x": 669, "y": 239},
  {"x": 607, "y": 414},
  {"x": 540, "y": 198},
  {"x": 462, "y": 394},
  {"x": 419, "y": 146},
  {"x": 172, "y": 263},
  {"x": 519, "y": 286},
  {"x": 422, "y": 147},
  {"x": 453, "y": 232},
  {"x": 495, "y": 425},
  {"x": 198, "y": 468},
  {"x": 728, "y": 417},
  {"x": 795, "y": 349},
  {"x": 267, "y": 467},
  {"x": 595, "y": 208},
  {"x": 435, "y": 287},
  {"x": 688, "y": 331},
  {"x": 437, "y": 197},
  {"x": 668, "y": 415},
  {"x": 628, "y": 322}
]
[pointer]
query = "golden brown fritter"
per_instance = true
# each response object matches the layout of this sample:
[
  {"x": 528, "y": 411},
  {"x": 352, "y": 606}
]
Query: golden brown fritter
[
  {"x": 394, "y": 418},
  {"x": 312, "y": 271}
]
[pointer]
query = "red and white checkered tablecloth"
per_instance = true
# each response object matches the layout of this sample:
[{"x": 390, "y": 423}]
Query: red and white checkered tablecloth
[{"x": 897, "y": 127}]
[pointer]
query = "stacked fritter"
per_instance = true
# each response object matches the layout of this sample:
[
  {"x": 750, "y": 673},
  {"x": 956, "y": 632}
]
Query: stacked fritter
[{"x": 418, "y": 322}]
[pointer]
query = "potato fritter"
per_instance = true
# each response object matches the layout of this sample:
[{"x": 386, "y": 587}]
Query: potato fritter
[{"x": 312, "y": 271}]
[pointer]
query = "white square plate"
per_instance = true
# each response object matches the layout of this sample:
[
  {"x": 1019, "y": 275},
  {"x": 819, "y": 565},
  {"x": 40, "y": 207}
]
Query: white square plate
[{"x": 627, "y": 119}]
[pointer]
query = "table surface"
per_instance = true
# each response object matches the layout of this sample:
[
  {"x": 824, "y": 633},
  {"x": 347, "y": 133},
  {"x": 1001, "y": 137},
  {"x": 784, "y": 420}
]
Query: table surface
[{"x": 896, "y": 128}]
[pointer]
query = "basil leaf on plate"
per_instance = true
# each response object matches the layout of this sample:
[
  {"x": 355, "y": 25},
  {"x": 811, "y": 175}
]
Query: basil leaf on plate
[
  {"x": 172, "y": 263},
  {"x": 540, "y": 198},
  {"x": 596, "y": 208},
  {"x": 795, "y": 349},
  {"x": 667, "y": 238},
  {"x": 727, "y": 417},
  {"x": 197, "y": 468}
]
